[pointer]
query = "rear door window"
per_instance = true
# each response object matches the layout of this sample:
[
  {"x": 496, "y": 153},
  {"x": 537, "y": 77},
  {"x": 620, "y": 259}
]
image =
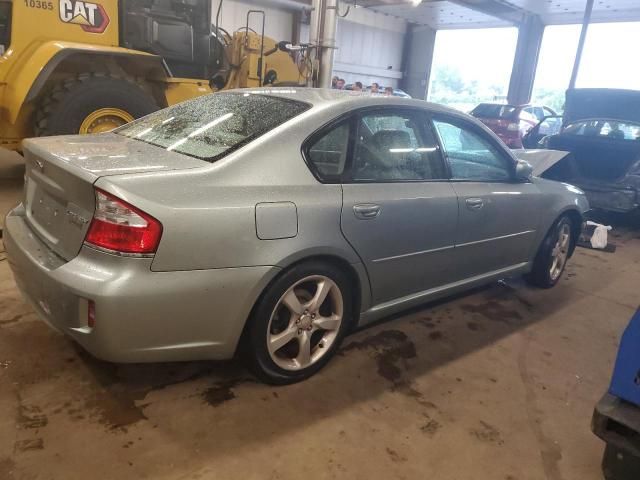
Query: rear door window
[
  {"x": 394, "y": 145},
  {"x": 472, "y": 156},
  {"x": 212, "y": 126},
  {"x": 327, "y": 154}
]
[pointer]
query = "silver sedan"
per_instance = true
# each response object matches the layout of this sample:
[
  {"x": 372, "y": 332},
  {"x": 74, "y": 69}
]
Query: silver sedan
[{"x": 271, "y": 222}]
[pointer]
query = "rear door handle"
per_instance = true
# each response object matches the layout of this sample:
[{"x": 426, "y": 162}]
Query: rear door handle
[
  {"x": 474, "y": 203},
  {"x": 366, "y": 211}
]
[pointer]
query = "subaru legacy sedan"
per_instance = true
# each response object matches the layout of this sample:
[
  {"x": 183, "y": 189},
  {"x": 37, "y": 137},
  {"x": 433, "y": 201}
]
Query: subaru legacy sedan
[{"x": 270, "y": 222}]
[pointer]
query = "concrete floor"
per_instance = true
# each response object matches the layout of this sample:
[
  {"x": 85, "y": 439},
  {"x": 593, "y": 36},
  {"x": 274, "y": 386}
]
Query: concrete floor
[{"x": 495, "y": 385}]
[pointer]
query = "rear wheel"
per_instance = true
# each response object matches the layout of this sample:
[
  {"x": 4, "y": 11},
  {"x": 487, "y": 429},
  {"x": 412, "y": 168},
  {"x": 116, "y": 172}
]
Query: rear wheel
[
  {"x": 91, "y": 103},
  {"x": 298, "y": 323},
  {"x": 552, "y": 255}
]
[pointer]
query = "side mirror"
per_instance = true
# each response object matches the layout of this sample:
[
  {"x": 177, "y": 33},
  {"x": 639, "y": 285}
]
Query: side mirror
[{"x": 524, "y": 171}]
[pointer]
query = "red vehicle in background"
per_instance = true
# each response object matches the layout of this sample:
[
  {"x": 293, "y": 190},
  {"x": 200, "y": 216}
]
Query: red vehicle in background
[{"x": 511, "y": 122}]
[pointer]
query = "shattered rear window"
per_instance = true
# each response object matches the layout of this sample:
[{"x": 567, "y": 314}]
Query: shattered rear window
[{"x": 212, "y": 126}]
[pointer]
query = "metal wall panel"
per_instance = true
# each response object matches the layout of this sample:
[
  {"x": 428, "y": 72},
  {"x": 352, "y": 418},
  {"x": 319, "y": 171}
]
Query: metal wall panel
[
  {"x": 368, "y": 53},
  {"x": 278, "y": 23},
  {"x": 368, "y": 42}
]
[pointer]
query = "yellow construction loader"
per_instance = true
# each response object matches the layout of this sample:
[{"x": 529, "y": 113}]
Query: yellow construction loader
[{"x": 79, "y": 66}]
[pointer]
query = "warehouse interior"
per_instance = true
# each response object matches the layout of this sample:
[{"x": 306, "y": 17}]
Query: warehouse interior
[{"x": 497, "y": 382}]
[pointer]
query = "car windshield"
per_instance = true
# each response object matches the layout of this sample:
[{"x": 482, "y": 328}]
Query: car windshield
[
  {"x": 613, "y": 129},
  {"x": 489, "y": 110},
  {"x": 212, "y": 126}
]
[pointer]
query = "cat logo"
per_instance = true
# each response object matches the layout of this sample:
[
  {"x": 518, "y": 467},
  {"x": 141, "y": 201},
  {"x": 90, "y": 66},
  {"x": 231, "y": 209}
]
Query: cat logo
[{"x": 91, "y": 17}]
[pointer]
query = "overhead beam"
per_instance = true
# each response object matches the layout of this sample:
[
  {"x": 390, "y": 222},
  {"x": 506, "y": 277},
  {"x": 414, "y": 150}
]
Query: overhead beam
[{"x": 495, "y": 8}]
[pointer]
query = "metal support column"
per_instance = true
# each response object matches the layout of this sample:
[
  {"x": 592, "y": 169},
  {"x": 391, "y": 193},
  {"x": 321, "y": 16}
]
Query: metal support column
[
  {"x": 525, "y": 62},
  {"x": 583, "y": 36},
  {"x": 314, "y": 39},
  {"x": 322, "y": 33},
  {"x": 417, "y": 60},
  {"x": 330, "y": 19}
]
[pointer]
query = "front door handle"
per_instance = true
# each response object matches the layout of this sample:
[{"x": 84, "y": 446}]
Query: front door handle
[
  {"x": 366, "y": 211},
  {"x": 474, "y": 203}
]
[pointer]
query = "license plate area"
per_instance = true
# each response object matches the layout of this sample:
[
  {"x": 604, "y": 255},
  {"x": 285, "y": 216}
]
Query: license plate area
[{"x": 48, "y": 213}]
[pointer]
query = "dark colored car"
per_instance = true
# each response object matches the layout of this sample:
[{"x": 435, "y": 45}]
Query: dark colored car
[
  {"x": 601, "y": 130},
  {"x": 511, "y": 122}
]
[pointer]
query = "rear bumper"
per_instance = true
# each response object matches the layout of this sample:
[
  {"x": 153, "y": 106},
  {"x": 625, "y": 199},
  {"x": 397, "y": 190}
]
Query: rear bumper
[
  {"x": 617, "y": 423},
  {"x": 610, "y": 197},
  {"x": 141, "y": 316}
]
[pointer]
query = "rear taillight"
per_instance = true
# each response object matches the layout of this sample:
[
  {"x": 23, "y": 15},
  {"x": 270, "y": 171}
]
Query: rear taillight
[{"x": 121, "y": 227}]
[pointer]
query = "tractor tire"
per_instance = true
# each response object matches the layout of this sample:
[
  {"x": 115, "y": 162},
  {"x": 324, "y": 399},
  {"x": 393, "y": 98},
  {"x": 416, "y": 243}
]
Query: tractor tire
[{"x": 91, "y": 103}]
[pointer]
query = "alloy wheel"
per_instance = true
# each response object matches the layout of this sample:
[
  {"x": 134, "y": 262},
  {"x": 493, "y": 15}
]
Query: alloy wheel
[
  {"x": 305, "y": 322},
  {"x": 560, "y": 252}
]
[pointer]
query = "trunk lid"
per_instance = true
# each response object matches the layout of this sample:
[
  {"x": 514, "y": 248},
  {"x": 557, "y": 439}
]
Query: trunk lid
[
  {"x": 588, "y": 103},
  {"x": 59, "y": 197}
]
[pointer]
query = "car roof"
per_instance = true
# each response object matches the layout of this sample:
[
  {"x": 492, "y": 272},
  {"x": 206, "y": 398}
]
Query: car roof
[{"x": 323, "y": 97}]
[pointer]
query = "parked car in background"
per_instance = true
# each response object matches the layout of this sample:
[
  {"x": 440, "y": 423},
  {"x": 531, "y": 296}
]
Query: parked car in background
[
  {"x": 510, "y": 122},
  {"x": 601, "y": 130},
  {"x": 271, "y": 222}
]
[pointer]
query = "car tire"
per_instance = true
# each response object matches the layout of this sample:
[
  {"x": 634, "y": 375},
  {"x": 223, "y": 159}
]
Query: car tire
[
  {"x": 553, "y": 254},
  {"x": 79, "y": 104},
  {"x": 288, "y": 317}
]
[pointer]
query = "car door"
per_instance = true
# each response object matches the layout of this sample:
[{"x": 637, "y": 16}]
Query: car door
[
  {"x": 548, "y": 126},
  {"x": 399, "y": 209},
  {"x": 498, "y": 216}
]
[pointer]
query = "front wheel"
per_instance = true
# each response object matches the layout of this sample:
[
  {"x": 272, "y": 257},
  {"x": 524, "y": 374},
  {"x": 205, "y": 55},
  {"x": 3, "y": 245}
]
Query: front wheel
[
  {"x": 298, "y": 323},
  {"x": 553, "y": 254}
]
